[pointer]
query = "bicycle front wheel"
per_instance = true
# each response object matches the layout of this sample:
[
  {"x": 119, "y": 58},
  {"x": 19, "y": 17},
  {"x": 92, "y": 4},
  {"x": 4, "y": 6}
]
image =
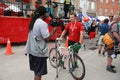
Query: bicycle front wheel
[
  {"x": 54, "y": 57},
  {"x": 76, "y": 67}
]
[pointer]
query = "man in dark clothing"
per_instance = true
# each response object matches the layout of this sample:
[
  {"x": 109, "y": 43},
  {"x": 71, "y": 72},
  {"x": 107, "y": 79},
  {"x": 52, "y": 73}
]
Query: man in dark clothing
[{"x": 67, "y": 4}]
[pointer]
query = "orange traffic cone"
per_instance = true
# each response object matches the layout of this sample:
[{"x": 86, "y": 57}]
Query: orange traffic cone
[
  {"x": 66, "y": 43},
  {"x": 8, "y": 48}
]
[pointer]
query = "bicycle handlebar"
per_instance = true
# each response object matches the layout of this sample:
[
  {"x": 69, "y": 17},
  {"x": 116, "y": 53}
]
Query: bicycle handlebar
[{"x": 75, "y": 47}]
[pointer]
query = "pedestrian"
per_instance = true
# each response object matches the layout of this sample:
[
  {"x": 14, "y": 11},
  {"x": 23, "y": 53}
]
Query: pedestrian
[
  {"x": 75, "y": 29},
  {"x": 103, "y": 28},
  {"x": 115, "y": 31},
  {"x": 36, "y": 46},
  {"x": 92, "y": 31},
  {"x": 67, "y": 4},
  {"x": 110, "y": 18},
  {"x": 55, "y": 7}
]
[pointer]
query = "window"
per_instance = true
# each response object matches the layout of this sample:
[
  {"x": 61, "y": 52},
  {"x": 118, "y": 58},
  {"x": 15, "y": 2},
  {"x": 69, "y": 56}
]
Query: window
[
  {"x": 118, "y": 12},
  {"x": 118, "y": 2},
  {"x": 101, "y": 1},
  {"x": 88, "y": 5},
  {"x": 106, "y": 1},
  {"x": 112, "y": 2},
  {"x": 93, "y": 6},
  {"x": 106, "y": 11},
  {"x": 100, "y": 11},
  {"x": 61, "y": 1},
  {"x": 112, "y": 11}
]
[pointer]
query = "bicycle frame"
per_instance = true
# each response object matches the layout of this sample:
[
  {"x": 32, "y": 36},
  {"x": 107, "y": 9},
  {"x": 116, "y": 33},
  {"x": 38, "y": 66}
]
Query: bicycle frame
[
  {"x": 56, "y": 55},
  {"x": 59, "y": 47}
]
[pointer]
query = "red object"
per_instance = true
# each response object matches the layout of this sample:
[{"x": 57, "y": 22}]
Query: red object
[
  {"x": 26, "y": 1},
  {"x": 86, "y": 19},
  {"x": 9, "y": 48},
  {"x": 48, "y": 19},
  {"x": 16, "y": 29},
  {"x": 37, "y": 5},
  {"x": 74, "y": 30},
  {"x": 13, "y": 28},
  {"x": 92, "y": 35},
  {"x": 2, "y": 6},
  {"x": 66, "y": 42},
  {"x": 58, "y": 32}
]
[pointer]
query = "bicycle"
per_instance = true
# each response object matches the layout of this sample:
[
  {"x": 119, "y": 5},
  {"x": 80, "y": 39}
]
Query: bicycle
[{"x": 75, "y": 63}]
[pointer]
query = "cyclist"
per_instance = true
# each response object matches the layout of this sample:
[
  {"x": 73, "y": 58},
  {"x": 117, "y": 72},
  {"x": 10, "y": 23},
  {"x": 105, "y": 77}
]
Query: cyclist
[{"x": 75, "y": 30}]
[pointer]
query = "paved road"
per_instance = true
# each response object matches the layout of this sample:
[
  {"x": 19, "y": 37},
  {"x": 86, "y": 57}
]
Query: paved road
[{"x": 16, "y": 67}]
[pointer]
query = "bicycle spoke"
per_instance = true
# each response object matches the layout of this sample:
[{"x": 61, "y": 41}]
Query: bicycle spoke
[
  {"x": 76, "y": 67},
  {"x": 54, "y": 57}
]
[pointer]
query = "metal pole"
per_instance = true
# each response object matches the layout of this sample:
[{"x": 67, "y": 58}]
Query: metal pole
[{"x": 22, "y": 6}]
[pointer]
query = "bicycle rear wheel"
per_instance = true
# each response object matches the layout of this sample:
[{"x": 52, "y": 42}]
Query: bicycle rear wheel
[
  {"x": 54, "y": 57},
  {"x": 76, "y": 67}
]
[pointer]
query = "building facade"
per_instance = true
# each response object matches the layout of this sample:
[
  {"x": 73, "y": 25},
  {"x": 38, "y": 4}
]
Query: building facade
[
  {"x": 106, "y": 7},
  {"x": 94, "y": 7}
]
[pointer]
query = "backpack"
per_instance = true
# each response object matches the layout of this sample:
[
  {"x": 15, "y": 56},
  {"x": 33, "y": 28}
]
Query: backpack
[{"x": 108, "y": 39}]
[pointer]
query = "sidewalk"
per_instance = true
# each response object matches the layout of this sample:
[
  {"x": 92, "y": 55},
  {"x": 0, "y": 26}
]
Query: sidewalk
[{"x": 16, "y": 67}]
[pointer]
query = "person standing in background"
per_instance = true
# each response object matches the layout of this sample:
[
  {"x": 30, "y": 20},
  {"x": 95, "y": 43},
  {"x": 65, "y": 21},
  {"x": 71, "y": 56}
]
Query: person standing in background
[
  {"x": 103, "y": 28},
  {"x": 55, "y": 7},
  {"x": 115, "y": 32},
  {"x": 36, "y": 46},
  {"x": 92, "y": 31},
  {"x": 110, "y": 18},
  {"x": 67, "y": 4}
]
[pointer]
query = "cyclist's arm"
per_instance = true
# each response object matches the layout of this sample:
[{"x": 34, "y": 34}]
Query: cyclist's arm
[
  {"x": 63, "y": 33},
  {"x": 81, "y": 37}
]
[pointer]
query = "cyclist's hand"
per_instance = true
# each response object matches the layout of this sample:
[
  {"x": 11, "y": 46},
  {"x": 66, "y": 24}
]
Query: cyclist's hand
[{"x": 59, "y": 38}]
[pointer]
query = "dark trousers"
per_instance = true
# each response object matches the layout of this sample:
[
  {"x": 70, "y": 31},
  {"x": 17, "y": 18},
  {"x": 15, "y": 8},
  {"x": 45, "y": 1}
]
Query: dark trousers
[{"x": 66, "y": 9}]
